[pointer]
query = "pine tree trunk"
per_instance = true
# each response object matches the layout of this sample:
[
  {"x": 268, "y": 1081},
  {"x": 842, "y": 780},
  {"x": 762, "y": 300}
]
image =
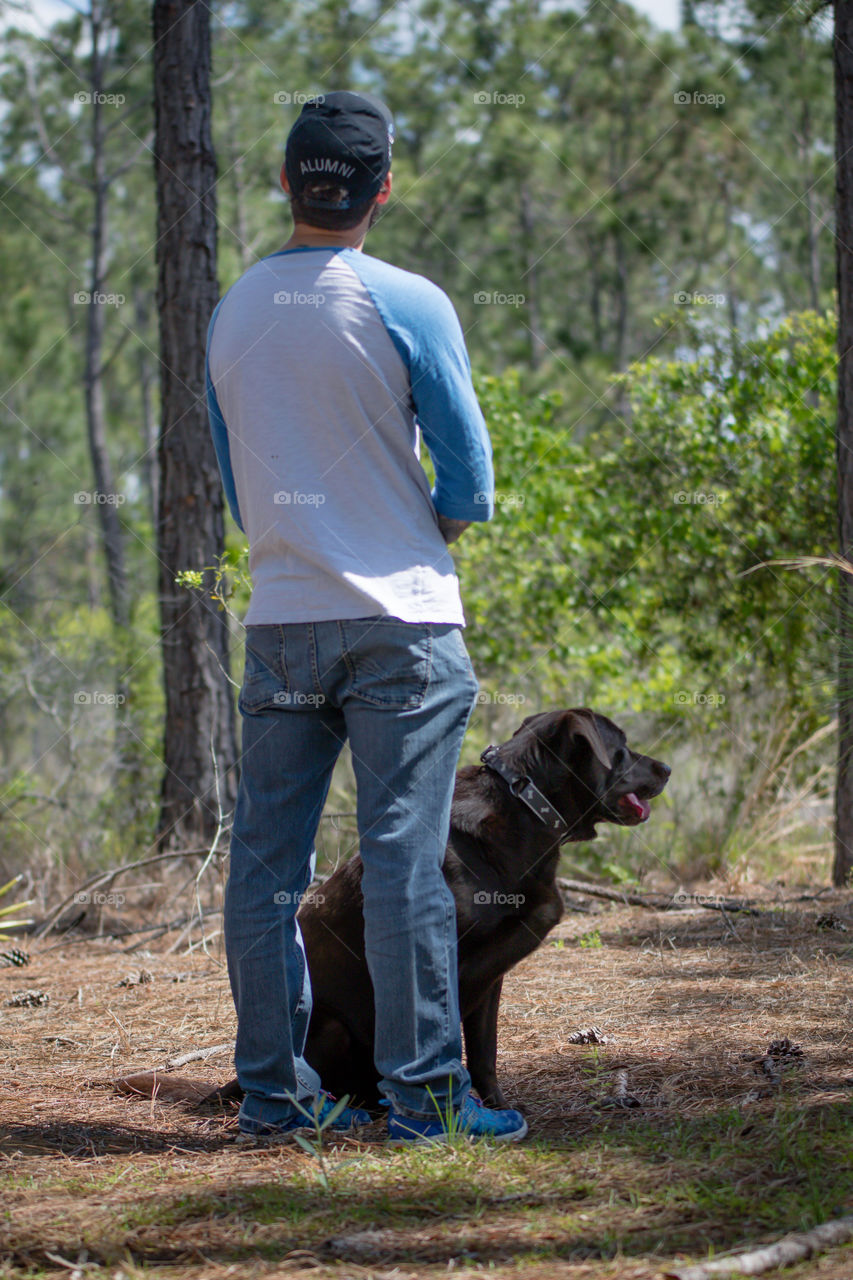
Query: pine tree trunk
[
  {"x": 150, "y": 434},
  {"x": 843, "y": 60},
  {"x": 199, "y": 744}
]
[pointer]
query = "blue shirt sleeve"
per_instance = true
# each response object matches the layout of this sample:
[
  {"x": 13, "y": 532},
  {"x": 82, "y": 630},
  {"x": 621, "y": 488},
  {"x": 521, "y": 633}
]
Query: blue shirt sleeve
[
  {"x": 426, "y": 332},
  {"x": 219, "y": 431}
]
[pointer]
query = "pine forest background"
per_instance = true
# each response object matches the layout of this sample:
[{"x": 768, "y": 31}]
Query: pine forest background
[{"x": 636, "y": 228}]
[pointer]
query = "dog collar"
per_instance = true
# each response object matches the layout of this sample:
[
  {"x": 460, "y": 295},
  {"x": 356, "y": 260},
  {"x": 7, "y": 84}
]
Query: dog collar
[{"x": 525, "y": 790}]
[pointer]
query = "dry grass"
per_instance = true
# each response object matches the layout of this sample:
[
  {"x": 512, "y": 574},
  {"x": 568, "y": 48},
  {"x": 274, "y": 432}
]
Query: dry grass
[{"x": 719, "y": 1153}]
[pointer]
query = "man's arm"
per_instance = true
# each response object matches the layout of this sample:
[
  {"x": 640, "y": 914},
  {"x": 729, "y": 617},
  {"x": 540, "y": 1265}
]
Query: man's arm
[
  {"x": 450, "y": 419},
  {"x": 219, "y": 431},
  {"x": 426, "y": 332}
]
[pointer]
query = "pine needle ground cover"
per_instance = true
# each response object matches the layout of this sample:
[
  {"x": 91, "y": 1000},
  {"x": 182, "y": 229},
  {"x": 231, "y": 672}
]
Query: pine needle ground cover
[{"x": 707, "y": 1107}]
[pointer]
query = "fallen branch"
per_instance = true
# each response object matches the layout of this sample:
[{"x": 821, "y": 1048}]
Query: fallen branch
[
  {"x": 656, "y": 901},
  {"x": 197, "y": 1055},
  {"x": 107, "y": 877},
  {"x": 155, "y": 930},
  {"x": 793, "y": 1248},
  {"x": 163, "y": 1086},
  {"x": 150, "y": 1084},
  {"x": 161, "y": 930},
  {"x": 101, "y": 879},
  {"x": 611, "y": 895}
]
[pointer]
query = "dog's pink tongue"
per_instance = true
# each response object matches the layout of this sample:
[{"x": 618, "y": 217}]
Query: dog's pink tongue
[{"x": 639, "y": 808}]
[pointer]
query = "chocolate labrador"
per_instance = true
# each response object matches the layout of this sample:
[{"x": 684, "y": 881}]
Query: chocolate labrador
[{"x": 560, "y": 774}]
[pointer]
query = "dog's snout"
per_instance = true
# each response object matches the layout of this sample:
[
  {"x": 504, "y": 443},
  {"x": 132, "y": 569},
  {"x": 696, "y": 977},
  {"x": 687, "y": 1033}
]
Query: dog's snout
[{"x": 661, "y": 770}]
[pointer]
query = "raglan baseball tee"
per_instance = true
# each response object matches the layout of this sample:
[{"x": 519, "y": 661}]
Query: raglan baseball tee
[{"x": 323, "y": 364}]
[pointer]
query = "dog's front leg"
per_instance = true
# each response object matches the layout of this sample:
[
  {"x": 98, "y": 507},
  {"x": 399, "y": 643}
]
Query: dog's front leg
[
  {"x": 513, "y": 939},
  {"x": 481, "y": 1047}
]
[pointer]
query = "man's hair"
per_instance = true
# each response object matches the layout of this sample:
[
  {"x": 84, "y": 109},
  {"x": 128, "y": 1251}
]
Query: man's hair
[{"x": 328, "y": 218}]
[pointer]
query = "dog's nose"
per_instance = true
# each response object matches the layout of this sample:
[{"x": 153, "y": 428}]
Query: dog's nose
[{"x": 662, "y": 770}]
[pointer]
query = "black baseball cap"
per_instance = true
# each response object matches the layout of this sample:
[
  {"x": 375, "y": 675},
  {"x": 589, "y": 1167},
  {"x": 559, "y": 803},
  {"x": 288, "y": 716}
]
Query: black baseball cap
[{"x": 345, "y": 137}]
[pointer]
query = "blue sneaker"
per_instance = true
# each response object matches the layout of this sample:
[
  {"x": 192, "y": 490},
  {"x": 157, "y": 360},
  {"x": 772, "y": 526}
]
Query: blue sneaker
[
  {"x": 347, "y": 1120},
  {"x": 472, "y": 1120}
]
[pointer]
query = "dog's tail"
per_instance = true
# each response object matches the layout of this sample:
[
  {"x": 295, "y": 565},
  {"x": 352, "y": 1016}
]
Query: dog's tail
[{"x": 169, "y": 1088}]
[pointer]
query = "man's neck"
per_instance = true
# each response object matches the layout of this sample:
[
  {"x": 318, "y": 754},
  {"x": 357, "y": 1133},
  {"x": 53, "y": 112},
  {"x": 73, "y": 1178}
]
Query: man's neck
[{"x": 305, "y": 237}]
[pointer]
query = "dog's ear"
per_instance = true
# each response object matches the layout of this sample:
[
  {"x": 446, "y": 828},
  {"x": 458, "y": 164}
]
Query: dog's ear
[
  {"x": 551, "y": 726},
  {"x": 581, "y": 724},
  {"x": 528, "y": 721}
]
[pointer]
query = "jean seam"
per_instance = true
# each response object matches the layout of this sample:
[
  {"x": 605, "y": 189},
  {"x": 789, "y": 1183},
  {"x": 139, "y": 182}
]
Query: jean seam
[
  {"x": 345, "y": 651},
  {"x": 313, "y": 658},
  {"x": 450, "y": 932},
  {"x": 282, "y": 660}
]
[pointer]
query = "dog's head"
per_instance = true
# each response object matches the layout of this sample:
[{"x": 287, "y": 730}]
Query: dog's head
[{"x": 581, "y": 761}]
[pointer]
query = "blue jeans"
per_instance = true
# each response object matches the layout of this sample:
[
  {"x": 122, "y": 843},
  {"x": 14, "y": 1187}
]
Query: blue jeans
[{"x": 402, "y": 694}]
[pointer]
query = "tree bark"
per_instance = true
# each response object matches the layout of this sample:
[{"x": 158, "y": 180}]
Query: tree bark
[
  {"x": 150, "y": 433},
  {"x": 199, "y": 742},
  {"x": 843, "y": 65}
]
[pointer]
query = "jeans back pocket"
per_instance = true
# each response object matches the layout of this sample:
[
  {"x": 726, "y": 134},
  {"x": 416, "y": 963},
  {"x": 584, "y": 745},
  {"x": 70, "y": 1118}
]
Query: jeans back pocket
[
  {"x": 265, "y": 683},
  {"x": 389, "y": 661}
]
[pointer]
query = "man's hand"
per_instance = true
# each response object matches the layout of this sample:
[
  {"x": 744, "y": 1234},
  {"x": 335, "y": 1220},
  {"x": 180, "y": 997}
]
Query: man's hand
[{"x": 451, "y": 529}]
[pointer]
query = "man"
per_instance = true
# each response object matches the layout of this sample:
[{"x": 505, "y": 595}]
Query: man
[{"x": 322, "y": 365}]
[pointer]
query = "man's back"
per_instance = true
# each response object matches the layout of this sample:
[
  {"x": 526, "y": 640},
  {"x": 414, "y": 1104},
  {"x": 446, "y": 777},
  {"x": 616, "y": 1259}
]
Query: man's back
[{"x": 321, "y": 362}]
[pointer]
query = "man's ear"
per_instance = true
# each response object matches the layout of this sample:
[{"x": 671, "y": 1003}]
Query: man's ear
[
  {"x": 384, "y": 190},
  {"x": 581, "y": 724},
  {"x": 285, "y": 185}
]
